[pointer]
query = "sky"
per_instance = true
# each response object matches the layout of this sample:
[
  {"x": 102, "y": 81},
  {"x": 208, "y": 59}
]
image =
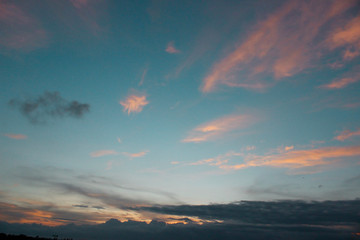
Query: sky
[{"x": 116, "y": 109}]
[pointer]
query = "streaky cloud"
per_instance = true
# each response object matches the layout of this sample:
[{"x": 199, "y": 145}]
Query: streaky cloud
[
  {"x": 102, "y": 153},
  {"x": 16, "y": 136},
  {"x": 219, "y": 127},
  {"x": 269, "y": 49},
  {"x": 347, "y": 134}
]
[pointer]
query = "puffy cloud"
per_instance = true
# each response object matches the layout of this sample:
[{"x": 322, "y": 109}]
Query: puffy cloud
[
  {"x": 102, "y": 153},
  {"x": 171, "y": 48},
  {"x": 49, "y": 105},
  {"x": 16, "y": 136},
  {"x": 347, "y": 134},
  {"x": 134, "y": 103},
  {"x": 218, "y": 127}
]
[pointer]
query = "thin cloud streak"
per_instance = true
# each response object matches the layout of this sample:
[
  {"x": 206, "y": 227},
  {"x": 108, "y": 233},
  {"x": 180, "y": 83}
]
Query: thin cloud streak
[
  {"x": 218, "y": 127},
  {"x": 298, "y": 158},
  {"x": 16, "y": 136},
  {"x": 347, "y": 134},
  {"x": 337, "y": 84},
  {"x": 102, "y": 153},
  {"x": 135, "y": 155},
  {"x": 134, "y": 103},
  {"x": 270, "y": 48}
]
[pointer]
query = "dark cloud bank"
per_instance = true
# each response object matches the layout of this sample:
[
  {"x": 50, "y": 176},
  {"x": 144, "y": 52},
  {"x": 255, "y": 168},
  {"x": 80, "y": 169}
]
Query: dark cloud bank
[
  {"x": 49, "y": 105},
  {"x": 244, "y": 220}
]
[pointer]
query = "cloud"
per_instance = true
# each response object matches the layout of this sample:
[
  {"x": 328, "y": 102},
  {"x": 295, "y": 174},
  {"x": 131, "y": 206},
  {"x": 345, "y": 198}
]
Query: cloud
[
  {"x": 49, "y": 105},
  {"x": 16, "y": 136},
  {"x": 269, "y": 49},
  {"x": 143, "y": 76},
  {"x": 219, "y": 160},
  {"x": 272, "y": 212},
  {"x": 218, "y": 127},
  {"x": 134, "y": 103},
  {"x": 348, "y": 78},
  {"x": 135, "y": 155},
  {"x": 347, "y": 36},
  {"x": 341, "y": 83},
  {"x": 298, "y": 159},
  {"x": 347, "y": 134},
  {"x": 19, "y": 30},
  {"x": 171, "y": 48},
  {"x": 102, "y": 153},
  {"x": 254, "y": 220}
]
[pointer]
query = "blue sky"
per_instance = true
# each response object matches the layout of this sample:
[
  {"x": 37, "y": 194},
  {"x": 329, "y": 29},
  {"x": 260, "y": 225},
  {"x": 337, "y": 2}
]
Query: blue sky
[{"x": 136, "y": 103}]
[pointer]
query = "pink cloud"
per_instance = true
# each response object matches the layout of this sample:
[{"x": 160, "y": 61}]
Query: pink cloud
[
  {"x": 269, "y": 49},
  {"x": 171, "y": 48},
  {"x": 297, "y": 159},
  {"x": 347, "y": 134},
  {"x": 218, "y": 127},
  {"x": 21, "y": 31},
  {"x": 16, "y": 136},
  {"x": 348, "y": 78},
  {"x": 135, "y": 155},
  {"x": 343, "y": 82},
  {"x": 134, "y": 103},
  {"x": 102, "y": 153},
  {"x": 347, "y": 36}
]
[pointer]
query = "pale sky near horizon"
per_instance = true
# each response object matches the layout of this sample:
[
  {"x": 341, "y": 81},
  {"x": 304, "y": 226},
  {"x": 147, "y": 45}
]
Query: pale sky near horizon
[{"x": 107, "y": 105}]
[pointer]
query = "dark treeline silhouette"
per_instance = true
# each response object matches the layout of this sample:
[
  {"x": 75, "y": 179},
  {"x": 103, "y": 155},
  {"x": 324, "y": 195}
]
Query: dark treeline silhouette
[{"x": 4, "y": 236}]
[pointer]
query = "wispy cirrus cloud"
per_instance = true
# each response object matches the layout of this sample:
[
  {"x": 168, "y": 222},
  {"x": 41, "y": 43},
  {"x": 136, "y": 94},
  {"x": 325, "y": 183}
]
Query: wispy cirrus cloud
[
  {"x": 102, "y": 153},
  {"x": 134, "y": 103},
  {"x": 298, "y": 159},
  {"x": 218, "y": 127},
  {"x": 270, "y": 50},
  {"x": 135, "y": 155},
  {"x": 347, "y": 134},
  {"x": 348, "y": 78},
  {"x": 341, "y": 83},
  {"x": 20, "y": 30},
  {"x": 15, "y": 136},
  {"x": 170, "y": 48},
  {"x": 347, "y": 36}
]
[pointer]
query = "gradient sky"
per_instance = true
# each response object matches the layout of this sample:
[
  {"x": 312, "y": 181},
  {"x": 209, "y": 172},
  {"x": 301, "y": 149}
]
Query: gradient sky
[{"x": 110, "y": 105}]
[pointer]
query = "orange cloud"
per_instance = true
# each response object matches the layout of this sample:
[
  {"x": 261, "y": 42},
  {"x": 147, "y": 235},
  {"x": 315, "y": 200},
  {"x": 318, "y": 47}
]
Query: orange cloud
[
  {"x": 216, "y": 128},
  {"x": 347, "y": 134},
  {"x": 102, "y": 153},
  {"x": 171, "y": 48},
  {"x": 135, "y": 155},
  {"x": 16, "y": 136},
  {"x": 134, "y": 103},
  {"x": 298, "y": 158},
  {"x": 270, "y": 47}
]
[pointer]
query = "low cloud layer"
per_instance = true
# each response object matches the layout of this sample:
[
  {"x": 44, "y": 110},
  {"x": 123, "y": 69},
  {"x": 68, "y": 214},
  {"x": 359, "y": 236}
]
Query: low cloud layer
[
  {"x": 242, "y": 220},
  {"x": 48, "y": 105}
]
